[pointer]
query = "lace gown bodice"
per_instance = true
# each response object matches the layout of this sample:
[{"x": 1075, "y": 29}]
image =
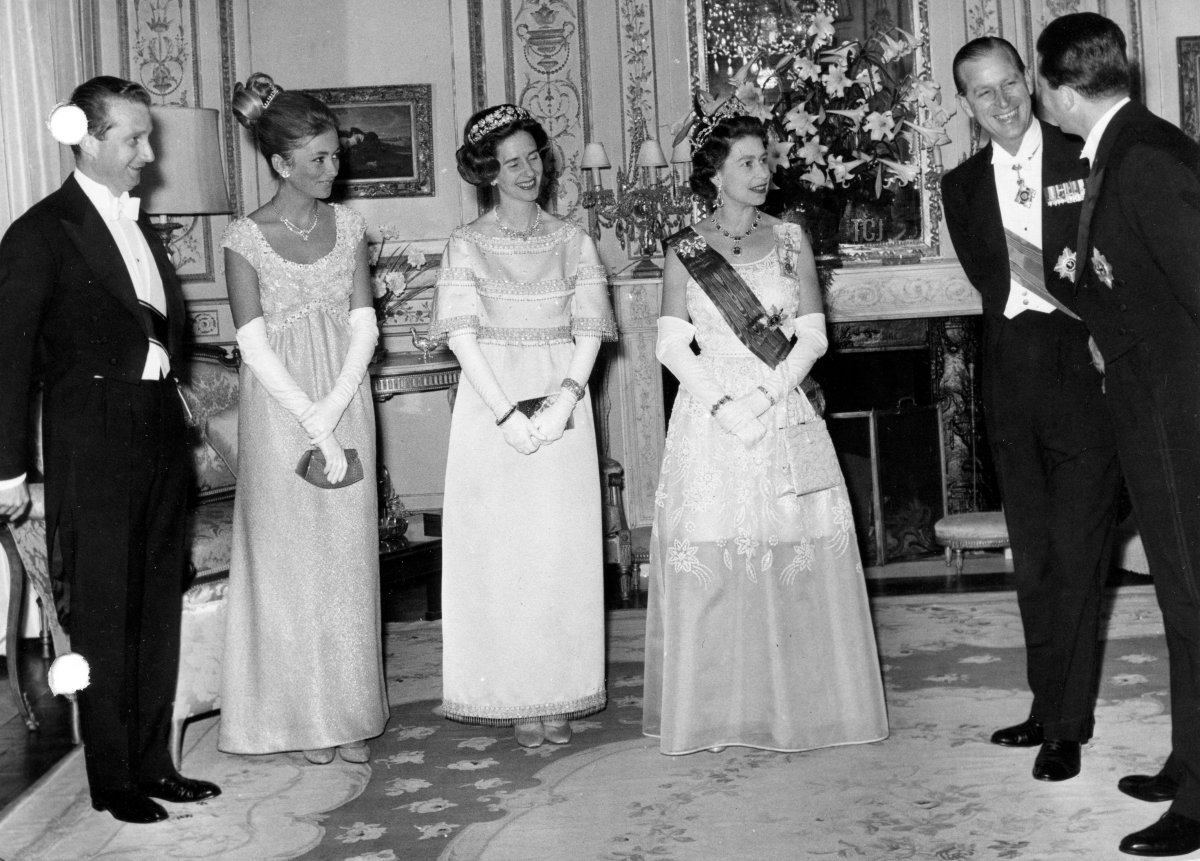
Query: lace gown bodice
[{"x": 288, "y": 290}]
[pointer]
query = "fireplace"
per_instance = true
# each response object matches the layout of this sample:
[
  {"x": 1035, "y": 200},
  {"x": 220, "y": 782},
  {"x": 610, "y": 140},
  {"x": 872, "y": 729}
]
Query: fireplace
[{"x": 884, "y": 402}]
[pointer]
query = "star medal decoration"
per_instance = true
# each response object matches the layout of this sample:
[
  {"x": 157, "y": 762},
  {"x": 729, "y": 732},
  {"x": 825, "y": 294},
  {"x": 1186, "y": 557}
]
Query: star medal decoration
[
  {"x": 1025, "y": 194},
  {"x": 1103, "y": 268},
  {"x": 1065, "y": 267}
]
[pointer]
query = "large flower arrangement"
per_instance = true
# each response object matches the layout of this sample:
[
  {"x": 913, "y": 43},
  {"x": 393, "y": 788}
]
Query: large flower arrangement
[{"x": 850, "y": 118}]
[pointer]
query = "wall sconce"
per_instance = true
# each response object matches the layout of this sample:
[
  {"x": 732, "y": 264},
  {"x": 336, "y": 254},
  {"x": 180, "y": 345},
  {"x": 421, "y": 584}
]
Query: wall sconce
[
  {"x": 187, "y": 176},
  {"x": 642, "y": 208}
]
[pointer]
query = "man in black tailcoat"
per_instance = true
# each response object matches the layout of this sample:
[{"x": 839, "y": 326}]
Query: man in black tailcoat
[
  {"x": 1010, "y": 208},
  {"x": 1137, "y": 287},
  {"x": 91, "y": 308}
]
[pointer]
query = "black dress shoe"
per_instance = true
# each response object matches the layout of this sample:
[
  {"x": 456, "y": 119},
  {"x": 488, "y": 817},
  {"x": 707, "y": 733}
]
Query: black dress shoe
[
  {"x": 1145, "y": 787},
  {"x": 1057, "y": 760},
  {"x": 1027, "y": 734},
  {"x": 130, "y": 807},
  {"x": 1171, "y": 835},
  {"x": 180, "y": 789}
]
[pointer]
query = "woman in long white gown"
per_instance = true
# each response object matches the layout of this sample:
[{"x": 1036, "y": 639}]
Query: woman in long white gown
[
  {"x": 523, "y": 301},
  {"x": 303, "y": 666},
  {"x": 758, "y": 631}
]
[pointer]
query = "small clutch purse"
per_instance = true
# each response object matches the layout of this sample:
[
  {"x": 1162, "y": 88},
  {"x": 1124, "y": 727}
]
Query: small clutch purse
[
  {"x": 532, "y": 406},
  {"x": 312, "y": 469}
]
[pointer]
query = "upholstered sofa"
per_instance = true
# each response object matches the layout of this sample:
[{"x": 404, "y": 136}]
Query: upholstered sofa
[{"x": 210, "y": 390}]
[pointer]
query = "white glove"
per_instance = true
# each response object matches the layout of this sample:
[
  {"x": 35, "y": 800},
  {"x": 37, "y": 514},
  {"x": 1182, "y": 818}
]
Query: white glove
[
  {"x": 479, "y": 373},
  {"x": 518, "y": 433},
  {"x": 674, "y": 350},
  {"x": 738, "y": 418},
  {"x": 550, "y": 424},
  {"x": 335, "y": 458},
  {"x": 322, "y": 418},
  {"x": 258, "y": 356},
  {"x": 811, "y": 344}
]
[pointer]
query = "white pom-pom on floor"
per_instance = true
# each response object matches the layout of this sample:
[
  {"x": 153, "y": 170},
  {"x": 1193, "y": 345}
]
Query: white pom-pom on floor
[{"x": 68, "y": 674}]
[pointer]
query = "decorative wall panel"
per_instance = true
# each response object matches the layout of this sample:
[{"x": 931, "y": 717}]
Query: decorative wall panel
[
  {"x": 636, "y": 38},
  {"x": 160, "y": 51},
  {"x": 547, "y": 75}
]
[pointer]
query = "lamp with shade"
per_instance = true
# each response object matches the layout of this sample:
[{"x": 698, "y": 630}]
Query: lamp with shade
[{"x": 187, "y": 176}]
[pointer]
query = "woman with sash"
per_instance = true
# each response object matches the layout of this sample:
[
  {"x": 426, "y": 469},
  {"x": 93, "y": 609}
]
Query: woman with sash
[{"x": 758, "y": 632}]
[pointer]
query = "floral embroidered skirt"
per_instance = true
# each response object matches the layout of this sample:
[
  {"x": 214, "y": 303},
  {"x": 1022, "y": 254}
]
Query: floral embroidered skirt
[{"x": 758, "y": 631}]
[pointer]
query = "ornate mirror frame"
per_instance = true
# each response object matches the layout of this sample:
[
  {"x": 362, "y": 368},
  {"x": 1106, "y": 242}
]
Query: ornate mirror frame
[{"x": 928, "y": 157}]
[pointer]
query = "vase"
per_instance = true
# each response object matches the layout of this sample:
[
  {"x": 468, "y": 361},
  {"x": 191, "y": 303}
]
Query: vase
[{"x": 819, "y": 212}]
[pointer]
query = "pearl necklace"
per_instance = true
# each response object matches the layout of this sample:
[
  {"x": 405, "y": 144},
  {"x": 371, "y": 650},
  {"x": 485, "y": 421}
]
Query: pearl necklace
[
  {"x": 302, "y": 232},
  {"x": 519, "y": 234},
  {"x": 736, "y": 238}
]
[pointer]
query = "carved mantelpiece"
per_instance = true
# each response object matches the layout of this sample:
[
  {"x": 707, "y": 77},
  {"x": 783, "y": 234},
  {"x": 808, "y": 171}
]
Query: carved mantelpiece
[{"x": 637, "y": 428}]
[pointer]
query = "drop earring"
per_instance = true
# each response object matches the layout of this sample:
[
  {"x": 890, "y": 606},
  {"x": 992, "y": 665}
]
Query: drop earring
[{"x": 720, "y": 198}]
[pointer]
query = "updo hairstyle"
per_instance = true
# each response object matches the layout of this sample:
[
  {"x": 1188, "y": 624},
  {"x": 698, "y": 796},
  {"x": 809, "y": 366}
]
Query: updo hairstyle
[
  {"x": 280, "y": 121},
  {"x": 94, "y": 96},
  {"x": 708, "y": 158},
  {"x": 477, "y": 162}
]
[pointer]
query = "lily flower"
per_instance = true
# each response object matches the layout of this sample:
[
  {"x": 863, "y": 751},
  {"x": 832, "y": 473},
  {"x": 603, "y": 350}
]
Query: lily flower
[
  {"x": 777, "y": 155},
  {"x": 800, "y": 122},
  {"x": 806, "y": 70},
  {"x": 836, "y": 81},
  {"x": 905, "y": 173},
  {"x": 817, "y": 178},
  {"x": 751, "y": 98},
  {"x": 822, "y": 27},
  {"x": 812, "y": 152},
  {"x": 842, "y": 169},
  {"x": 882, "y": 126},
  {"x": 933, "y": 136},
  {"x": 855, "y": 115}
]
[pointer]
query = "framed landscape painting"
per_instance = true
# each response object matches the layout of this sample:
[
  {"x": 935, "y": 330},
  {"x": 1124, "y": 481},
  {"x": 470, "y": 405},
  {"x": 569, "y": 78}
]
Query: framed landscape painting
[{"x": 386, "y": 138}]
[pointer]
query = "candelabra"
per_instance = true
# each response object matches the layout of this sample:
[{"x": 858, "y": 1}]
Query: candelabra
[{"x": 642, "y": 207}]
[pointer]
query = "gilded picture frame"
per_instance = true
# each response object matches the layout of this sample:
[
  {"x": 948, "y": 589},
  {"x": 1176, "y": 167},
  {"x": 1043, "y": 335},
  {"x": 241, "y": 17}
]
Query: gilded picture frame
[{"x": 386, "y": 134}]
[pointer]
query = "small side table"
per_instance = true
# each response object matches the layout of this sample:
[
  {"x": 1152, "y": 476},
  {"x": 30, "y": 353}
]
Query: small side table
[
  {"x": 415, "y": 556},
  {"x": 402, "y": 373}
]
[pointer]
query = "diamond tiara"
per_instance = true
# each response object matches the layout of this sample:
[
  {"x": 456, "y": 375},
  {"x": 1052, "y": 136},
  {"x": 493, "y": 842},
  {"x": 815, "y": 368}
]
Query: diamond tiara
[
  {"x": 705, "y": 123},
  {"x": 501, "y": 115}
]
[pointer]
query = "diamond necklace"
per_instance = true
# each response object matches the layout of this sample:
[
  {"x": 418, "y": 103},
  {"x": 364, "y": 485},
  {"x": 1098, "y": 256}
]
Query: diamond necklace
[
  {"x": 302, "y": 232},
  {"x": 519, "y": 234},
  {"x": 736, "y": 238}
]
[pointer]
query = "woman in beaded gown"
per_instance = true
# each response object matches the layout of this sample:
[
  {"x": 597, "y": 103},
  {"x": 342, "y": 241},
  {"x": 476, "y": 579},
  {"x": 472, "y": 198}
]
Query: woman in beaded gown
[
  {"x": 522, "y": 300},
  {"x": 302, "y": 668},
  {"x": 758, "y": 631}
]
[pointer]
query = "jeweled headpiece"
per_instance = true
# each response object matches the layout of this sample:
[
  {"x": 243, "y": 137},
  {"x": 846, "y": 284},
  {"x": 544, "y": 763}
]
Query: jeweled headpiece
[
  {"x": 704, "y": 123},
  {"x": 271, "y": 96},
  {"x": 499, "y": 116}
]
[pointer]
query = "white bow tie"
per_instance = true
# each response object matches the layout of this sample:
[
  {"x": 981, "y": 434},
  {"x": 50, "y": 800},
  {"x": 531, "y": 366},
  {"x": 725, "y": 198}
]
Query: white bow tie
[{"x": 124, "y": 207}]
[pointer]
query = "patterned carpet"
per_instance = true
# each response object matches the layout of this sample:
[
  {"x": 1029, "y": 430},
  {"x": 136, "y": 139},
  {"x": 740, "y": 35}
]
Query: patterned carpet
[{"x": 935, "y": 789}]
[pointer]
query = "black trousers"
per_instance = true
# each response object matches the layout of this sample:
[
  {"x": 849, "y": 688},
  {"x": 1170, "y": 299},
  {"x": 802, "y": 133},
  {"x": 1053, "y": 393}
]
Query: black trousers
[
  {"x": 117, "y": 479},
  {"x": 1154, "y": 391},
  {"x": 1052, "y": 440}
]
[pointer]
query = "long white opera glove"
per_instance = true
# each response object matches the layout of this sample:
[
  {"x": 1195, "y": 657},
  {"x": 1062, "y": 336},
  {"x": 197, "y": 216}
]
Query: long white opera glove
[
  {"x": 811, "y": 344},
  {"x": 674, "y": 349},
  {"x": 258, "y": 356},
  {"x": 323, "y": 416},
  {"x": 479, "y": 373}
]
